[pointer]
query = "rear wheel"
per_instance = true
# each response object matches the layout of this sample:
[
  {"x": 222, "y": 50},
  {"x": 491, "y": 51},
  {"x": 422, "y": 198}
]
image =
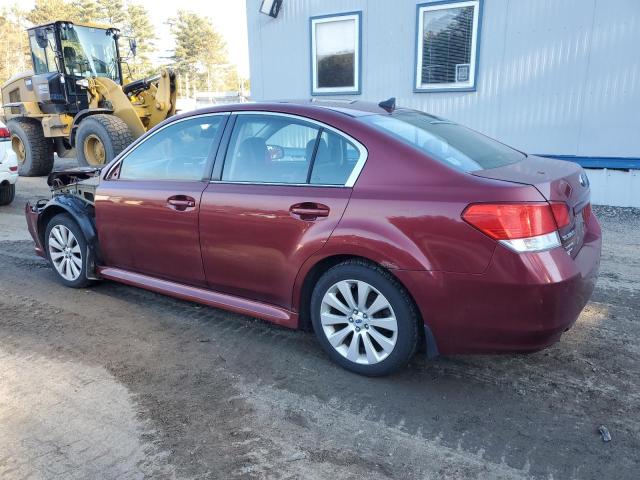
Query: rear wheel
[
  {"x": 7, "y": 193},
  {"x": 100, "y": 138},
  {"x": 66, "y": 249},
  {"x": 33, "y": 149},
  {"x": 364, "y": 319}
]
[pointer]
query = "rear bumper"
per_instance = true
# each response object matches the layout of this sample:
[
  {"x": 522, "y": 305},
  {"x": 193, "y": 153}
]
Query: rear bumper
[
  {"x": 8, "y": 177},
  {"x": 32, "y": 215},
  {"x": 522, "y": 303}
]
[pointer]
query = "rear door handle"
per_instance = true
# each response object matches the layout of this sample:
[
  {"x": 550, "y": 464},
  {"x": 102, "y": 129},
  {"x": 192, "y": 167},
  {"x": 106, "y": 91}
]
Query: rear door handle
[
  {"x": 181, "y": 202},
  {"x": 309, "y": 210}
]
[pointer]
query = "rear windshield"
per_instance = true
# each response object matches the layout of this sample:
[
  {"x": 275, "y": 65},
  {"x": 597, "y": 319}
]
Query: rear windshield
[{"x": 447, "y": 142}]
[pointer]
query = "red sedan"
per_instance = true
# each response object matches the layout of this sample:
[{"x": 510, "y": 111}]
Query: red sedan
[{"x": 384, "y": 230}]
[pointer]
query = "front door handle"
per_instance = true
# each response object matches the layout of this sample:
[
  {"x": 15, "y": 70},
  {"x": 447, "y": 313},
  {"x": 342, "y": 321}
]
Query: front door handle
[
  {"x": 309, "y": 210},
  {"x": 181, "y": 202}
]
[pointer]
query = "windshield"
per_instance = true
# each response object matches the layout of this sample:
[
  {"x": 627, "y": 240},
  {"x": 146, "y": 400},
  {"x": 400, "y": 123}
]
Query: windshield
[
  {"x": 447, "y": 142},
  {"x": 90, "y": 52}
]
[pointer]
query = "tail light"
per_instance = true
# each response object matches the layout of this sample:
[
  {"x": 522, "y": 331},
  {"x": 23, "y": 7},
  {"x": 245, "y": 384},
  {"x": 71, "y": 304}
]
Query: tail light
[
  {"x": 4, "y": 133},
  {"x": 13, "y": 169},
  {"x": 523, "y": 227}
]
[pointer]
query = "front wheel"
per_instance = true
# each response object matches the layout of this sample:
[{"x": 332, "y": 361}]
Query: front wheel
[
  {"x": 100, "y": 138},
  {"x": 364, "y": 319},
  {"x": 66, "y": 249}
]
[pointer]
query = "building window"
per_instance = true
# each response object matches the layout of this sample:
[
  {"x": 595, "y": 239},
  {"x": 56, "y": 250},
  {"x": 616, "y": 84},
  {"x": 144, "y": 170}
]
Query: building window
[
  {"x": 335, "y": 54},
  {"x": 447, "y": 45}
]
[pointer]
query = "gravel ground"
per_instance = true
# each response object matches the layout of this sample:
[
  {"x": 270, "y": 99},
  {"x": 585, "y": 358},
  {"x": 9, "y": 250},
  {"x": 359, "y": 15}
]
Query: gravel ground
[{"x": 116, "y": 382}]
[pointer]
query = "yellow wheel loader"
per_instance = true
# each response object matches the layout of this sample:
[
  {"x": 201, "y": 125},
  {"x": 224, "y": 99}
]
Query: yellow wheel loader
[{"x": 76, "y": 98}]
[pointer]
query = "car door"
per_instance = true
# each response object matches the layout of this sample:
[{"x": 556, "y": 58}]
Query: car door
[
  {"x": 147, "y": 205},
  {"x": 274, "y": 201}
]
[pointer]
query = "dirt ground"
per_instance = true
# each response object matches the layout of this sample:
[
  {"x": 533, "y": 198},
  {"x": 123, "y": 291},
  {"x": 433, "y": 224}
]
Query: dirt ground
[{"x": 116, "y": 382}]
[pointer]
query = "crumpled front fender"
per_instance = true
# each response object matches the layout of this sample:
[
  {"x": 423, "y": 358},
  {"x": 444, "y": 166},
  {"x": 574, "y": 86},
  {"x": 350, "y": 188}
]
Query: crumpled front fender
[{"x": 39, "y": 214}]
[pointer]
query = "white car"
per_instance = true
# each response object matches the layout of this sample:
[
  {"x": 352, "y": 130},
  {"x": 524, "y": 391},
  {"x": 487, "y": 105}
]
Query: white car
[{"x": 8, "y": 167}]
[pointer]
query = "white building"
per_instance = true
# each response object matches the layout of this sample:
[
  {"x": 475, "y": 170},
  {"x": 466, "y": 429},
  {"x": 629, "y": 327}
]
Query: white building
[{"x": 559, "y": 78}]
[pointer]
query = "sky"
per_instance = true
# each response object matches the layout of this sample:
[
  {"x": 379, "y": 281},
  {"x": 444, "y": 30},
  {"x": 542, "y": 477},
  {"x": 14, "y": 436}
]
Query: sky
[{"x": 227, "y": 16}]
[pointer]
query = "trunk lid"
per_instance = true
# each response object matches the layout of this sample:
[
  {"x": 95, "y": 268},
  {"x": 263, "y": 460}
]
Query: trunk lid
[{"x": 557, "y": 181}]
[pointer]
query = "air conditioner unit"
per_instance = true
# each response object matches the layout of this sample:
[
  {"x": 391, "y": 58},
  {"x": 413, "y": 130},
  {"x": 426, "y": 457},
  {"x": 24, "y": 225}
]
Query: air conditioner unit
[{"x": 271, "y": 7}]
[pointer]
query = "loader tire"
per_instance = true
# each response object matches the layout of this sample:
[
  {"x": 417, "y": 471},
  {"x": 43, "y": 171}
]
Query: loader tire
[
  {"x": 33, "y": 149},
  {"x": 100, "y": 139}
]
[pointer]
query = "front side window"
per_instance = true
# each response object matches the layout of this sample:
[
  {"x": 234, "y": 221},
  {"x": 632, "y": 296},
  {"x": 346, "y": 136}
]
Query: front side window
[
  {"x": 447, "y": 45},
  {"x": 335, "y": 54},
  {"x": 452, "y": 144},
  {"x": 179, "y": 151}
]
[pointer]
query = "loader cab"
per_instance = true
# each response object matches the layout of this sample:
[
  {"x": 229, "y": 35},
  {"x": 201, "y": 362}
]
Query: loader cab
[{"x": 64, "y": 54}]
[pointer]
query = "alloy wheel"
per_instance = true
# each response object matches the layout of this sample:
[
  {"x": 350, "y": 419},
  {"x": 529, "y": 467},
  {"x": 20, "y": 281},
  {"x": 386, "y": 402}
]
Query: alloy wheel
[
  {"x": 359, "y": 322},
  {"x": 65, "y": 253}
]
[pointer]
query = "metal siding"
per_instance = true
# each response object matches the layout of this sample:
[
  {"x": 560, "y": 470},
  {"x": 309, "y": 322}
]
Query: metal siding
[
  {"x": 614, "y": 187},
  {"x": 554, "y": 77}
]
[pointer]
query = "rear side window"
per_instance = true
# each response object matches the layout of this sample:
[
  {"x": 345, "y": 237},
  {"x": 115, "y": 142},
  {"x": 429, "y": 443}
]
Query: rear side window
[
  {"x": 335, "y": 159},
  {"x": 269, "y": 149},
  {"x": 452, "y": 144},
  {"x": 43, "y": 58},
  {"x": 286, "y": 150}
]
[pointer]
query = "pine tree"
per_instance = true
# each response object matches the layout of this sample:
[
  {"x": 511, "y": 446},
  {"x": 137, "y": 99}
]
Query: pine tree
[
  {"x": 138, "y": 26},
  {"x": 86, "y": 11},
  {"x": 14, "y": 54},
  {"x": 46, "y": 11},
  {"x": 112, "y": 12},
  {"x": 200, "y": 49}
]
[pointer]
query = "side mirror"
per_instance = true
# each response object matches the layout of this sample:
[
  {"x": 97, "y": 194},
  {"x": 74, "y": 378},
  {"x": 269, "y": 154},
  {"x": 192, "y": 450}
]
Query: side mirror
[
  {"x": 133, "y": 46},
  {"x": 276, "y": 152},
  {"x": 41, "y": 38}
]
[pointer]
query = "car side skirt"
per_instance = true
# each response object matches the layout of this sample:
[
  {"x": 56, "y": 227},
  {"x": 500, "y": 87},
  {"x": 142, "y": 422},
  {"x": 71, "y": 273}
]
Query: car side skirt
[{"x": 210, "y": 298}]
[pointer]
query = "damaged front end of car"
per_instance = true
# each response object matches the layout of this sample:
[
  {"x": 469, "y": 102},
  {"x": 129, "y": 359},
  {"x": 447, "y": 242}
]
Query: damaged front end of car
[{"x": 73, "y": 193}]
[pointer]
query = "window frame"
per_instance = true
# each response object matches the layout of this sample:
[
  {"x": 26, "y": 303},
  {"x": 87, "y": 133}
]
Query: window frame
[
  {"x": 351, "y": 90},
  {"x": 222, "y": 153},
  {"x": 113, "y": 171},
  {"x": 474, "y": 61}
]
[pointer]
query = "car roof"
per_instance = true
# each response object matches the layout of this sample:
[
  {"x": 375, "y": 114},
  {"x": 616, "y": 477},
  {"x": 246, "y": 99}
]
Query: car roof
[{"x": 351, "y": 108}]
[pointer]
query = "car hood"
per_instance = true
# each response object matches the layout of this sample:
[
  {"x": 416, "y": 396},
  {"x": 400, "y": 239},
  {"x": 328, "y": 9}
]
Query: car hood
[{"x": 73, "y": 175}]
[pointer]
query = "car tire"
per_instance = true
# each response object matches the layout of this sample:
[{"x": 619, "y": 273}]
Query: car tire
[
  {"x": 64, "y": 237},
  {"x": 35, "y": 157},
  {"x": 101, "y": 129},
  {"x": 392, "y": 332},
  {"x": 7, "y": 193}
]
